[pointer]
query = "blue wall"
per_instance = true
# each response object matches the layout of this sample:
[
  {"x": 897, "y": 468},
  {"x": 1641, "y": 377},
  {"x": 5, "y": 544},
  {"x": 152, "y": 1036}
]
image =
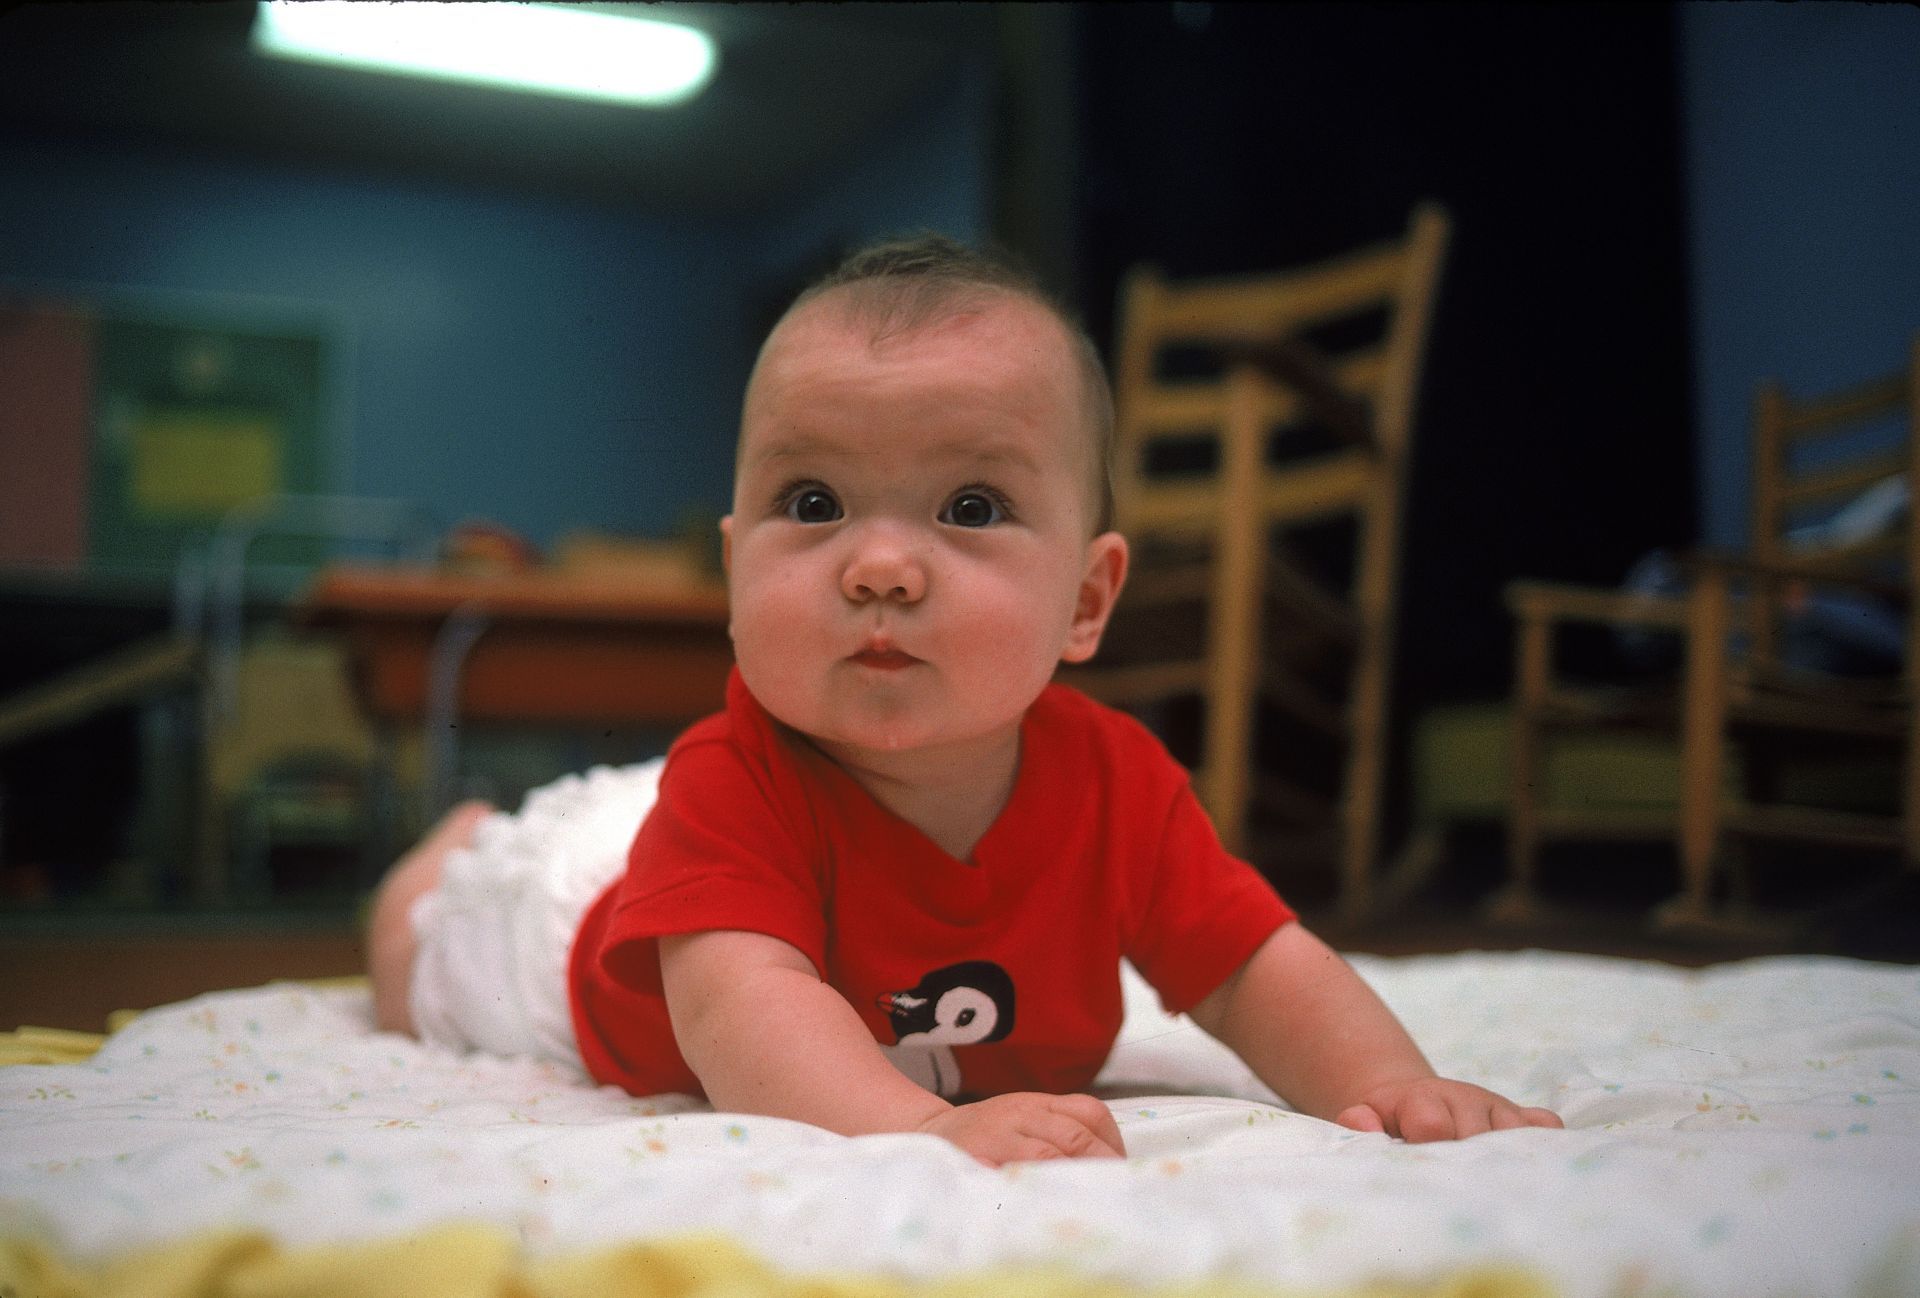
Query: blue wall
[
  {"x": 546, "y": 364},
  {"x": 1803, "y": 182},
  {"x": 932, "y": 171}
]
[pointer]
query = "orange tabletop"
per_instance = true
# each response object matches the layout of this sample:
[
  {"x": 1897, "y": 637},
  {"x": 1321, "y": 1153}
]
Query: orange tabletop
[{"x": 553, "y": 646}]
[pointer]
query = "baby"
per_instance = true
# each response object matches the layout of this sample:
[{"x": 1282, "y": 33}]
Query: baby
[{"x": 889, "y": 888}]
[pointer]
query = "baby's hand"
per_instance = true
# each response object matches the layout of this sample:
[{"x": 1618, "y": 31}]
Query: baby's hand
[
  {"x": 1434, "y": 1108},
  {"x": 1028, "y": 1126}
]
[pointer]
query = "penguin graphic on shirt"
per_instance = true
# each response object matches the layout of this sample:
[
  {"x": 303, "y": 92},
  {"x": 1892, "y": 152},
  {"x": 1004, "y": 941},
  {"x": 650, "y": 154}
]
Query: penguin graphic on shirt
[{"x": 960, "y": 1005}]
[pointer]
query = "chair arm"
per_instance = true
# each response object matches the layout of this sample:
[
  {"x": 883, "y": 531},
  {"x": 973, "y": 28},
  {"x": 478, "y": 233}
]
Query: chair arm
[
  {"x": 1733, "y": 564},
  {"x": 1542, "y": 601}
]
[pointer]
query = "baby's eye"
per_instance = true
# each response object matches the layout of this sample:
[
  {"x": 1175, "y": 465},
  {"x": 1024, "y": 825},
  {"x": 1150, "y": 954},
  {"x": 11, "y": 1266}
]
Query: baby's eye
[
  {"x": 973, "y": 509},
  {"x": 812, "y": 505}
]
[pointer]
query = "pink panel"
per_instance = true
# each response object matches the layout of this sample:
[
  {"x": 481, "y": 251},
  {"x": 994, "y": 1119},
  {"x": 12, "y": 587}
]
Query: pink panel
[{"x": 46, "y": 398}]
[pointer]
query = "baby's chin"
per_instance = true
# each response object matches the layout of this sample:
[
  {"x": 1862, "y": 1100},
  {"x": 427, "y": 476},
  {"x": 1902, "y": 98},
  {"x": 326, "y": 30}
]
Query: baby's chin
[
  {"x": 908, "y": 739},
  {"x": 890, "y": 737}
]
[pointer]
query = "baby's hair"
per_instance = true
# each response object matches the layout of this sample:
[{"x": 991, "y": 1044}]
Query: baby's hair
[{"x": 905, "y": 284}]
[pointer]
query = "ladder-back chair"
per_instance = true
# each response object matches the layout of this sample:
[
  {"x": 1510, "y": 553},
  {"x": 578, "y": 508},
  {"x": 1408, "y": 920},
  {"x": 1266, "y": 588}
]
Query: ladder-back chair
[
  {"x": 1291, "y": 397},
  {"x": 1755, "y": 705}
]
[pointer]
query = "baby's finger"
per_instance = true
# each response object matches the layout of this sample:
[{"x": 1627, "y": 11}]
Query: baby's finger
[
  {"x": 1361, "y": 1117},
  {"x": 1506, "y": 1117},
  {"x": 1078, "y": 1137},
  {"x": 1097, "y": 1118},
  {"x": 1472, "y": 1115},
  {"x": 1055, "y": 1135},
  {"x": 1426, "y": 1117},
  {"x": 1034, "y": 1149},
  {"x": 1543, "y": 1118}
]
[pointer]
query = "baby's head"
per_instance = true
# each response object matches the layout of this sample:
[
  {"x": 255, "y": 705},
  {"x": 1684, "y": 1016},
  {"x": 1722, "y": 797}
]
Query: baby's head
[
  {"x": 920, "y": 527},
  {"x": 902, "y": 285}
]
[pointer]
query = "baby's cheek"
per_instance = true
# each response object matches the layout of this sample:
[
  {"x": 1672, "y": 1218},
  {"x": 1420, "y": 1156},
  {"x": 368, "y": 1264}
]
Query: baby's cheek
[
  {"x": 764, "y": 602},
  {"x": 770, "y": 629},
  {"x": 1010, "y": 652},
  {"x": 779, "y": 681}
]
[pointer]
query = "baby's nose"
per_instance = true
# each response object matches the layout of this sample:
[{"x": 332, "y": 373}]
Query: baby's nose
[{"x": 884, "y": 565}]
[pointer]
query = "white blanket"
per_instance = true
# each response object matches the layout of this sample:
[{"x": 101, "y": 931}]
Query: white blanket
[{"x": 1748, "y": 1130}]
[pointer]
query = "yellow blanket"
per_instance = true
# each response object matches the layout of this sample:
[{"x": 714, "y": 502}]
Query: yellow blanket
[
  {"x": 48, "y": 1046},
  {"x": 481, "y": 1262}
]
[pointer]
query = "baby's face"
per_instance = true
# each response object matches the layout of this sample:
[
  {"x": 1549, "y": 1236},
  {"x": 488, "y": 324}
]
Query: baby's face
[{"x": 908, "y": 553}]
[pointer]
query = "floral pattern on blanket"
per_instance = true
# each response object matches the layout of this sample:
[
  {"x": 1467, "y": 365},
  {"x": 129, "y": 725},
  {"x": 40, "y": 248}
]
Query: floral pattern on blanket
[{"x": 1751, "y": 1129}]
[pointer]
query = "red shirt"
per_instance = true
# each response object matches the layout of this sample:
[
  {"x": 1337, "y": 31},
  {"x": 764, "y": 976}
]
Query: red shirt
[{"x": 1005, "y": 968}]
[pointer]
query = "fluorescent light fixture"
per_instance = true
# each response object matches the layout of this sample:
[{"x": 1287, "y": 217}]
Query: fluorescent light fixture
[{"x": 550, "y": 49}]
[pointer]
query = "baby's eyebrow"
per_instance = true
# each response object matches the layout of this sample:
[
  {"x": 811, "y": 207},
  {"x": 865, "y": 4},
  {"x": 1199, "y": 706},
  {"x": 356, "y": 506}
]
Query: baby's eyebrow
[
  {"x": 800, "y": 448},
  {"x": 1012, "y": 454},
  {"x": 987, "y": 452}
]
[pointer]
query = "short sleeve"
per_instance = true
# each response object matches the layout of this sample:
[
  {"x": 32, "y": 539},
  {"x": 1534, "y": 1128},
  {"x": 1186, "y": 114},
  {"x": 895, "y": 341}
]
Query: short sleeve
[
  {"x": 724, "y": 848},
  {"x": 1200, "y": 912}
]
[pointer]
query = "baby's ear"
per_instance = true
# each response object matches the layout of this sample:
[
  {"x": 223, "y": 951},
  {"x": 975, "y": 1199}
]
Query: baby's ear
[
  {"x": 726, "y": 544},
  {"x": 1105, "y": 574}
]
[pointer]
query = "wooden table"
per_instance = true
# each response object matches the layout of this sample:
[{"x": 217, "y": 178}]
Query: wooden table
[{"x": 540, "y": 646}]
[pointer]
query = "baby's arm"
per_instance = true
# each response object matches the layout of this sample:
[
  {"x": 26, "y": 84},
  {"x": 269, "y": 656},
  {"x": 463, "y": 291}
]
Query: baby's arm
[
  {"x": 765, "y": 1035},
  {"x": 1307, "y": 1024}
]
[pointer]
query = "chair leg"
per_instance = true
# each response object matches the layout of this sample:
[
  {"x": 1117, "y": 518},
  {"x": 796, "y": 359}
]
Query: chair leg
[
  {"x": 1517, "y": 903},
  {"x": 1234, "y": 627},
  {"x": 1699, "y": 840},
  {"x": 1360, "y": 791},
  {"x": 1229, "y": 723},
  {"x": 1702, "y": 753},
  {"x": 1369, "y": 699}
]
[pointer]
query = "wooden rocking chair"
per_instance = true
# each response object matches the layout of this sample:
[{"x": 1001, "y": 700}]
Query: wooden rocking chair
[
  {"x": 1298, "y": 408},
  {"x": 1742, "y": 693}
]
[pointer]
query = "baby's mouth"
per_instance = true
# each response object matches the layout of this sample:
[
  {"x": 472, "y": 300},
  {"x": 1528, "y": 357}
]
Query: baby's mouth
[{"x": 883, "y": 658}]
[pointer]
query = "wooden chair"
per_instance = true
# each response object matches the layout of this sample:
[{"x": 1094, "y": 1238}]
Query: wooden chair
[
  {"x": 1745, "y": 711},
  {"x": 1297, "y": 404}
]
